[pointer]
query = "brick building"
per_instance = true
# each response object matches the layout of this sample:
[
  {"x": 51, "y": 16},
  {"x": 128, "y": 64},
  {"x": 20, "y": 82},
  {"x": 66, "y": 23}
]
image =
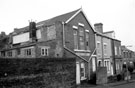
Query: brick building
[
  {"x": 127, "y": 55},
  {"x": 116, "y": 52},
  {"x": 104, "y": 49},
  {"x": 67, "y": 35},
  {"x": 108, "y": 50}
]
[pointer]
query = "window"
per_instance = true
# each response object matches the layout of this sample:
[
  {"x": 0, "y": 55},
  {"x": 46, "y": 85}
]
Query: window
[
  {"x": 115, "y": 50},
  {"x": 119, "y": 50},
  {"x": 117, "y": 66},
  {"x": 105, "y": 48},
  {"x": 107, "y": 64},
  {"x": 44, "y": 51},
  {"x": 81, "y": 38},
  {"x": 82, "y": 43},
  {"x": 51, "y": 32},
  {"x": 81, "y": 31},
  {"x": 18, "y": 51},
  {"x": 3, "y": 53},
  {"x": 28, "y": 52},
  {"x": 9, "y": 53},
  {"x": 98, "y": 48},
  {"x": 87, "y": 41},
  {"x": 99, "y": 63},
  {"x": 75, "y": 39},
  {"x": 82, "y": 71}
]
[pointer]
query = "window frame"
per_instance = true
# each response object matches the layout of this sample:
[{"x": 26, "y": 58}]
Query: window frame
[
  {"x": 75, "y": 34},
  {"x": 28, "y": 51},
  {"x": 115, "y": 48},
  {"x": 105, "y": 48},
  {"x": 98, "y": 48},
  {"x": 81, "y": 38},
  {"x": 87, "y": 37},
  {"x": 45, "y": 50},
  {"x": 82, "y": 66}
]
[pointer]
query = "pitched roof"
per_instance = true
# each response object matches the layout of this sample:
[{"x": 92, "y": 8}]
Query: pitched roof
[
  {"x": 124, "y": 48},
  {"x": 62, "y": 18},
  {"x": 103, "y": 35}
]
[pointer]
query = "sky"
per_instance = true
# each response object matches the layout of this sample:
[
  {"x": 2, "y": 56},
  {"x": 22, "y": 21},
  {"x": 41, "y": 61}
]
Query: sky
[{"x": 116, "y": 15}]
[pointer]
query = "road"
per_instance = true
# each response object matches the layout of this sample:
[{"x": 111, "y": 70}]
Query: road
[{"x": 120, "y": 85}]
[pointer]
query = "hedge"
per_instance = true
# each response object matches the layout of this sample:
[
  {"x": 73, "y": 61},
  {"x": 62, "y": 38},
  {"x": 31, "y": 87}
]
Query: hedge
[{"x": 34, "y": 73}]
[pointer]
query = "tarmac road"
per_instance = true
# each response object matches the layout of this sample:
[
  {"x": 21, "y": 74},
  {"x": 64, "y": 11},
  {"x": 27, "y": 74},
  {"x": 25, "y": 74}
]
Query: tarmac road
[{"x": 123, "y": 84}]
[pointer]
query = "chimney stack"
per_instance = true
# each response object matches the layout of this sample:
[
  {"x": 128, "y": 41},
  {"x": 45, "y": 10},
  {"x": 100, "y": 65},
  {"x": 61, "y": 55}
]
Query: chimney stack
[
  {"x": 98, "y": 27},
  {"x": 32, "y": 29}
]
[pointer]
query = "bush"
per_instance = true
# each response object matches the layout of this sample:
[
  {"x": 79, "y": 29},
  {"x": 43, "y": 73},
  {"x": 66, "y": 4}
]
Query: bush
[
  {"x": 112, "y": 78},
  {"x": 38, "y": 73},
  {"x": 13, "y": 67},
  {"x": 130, "y": 67},
  {"x": 93, "y": 78},
  {"x": 119, "y": 77}
]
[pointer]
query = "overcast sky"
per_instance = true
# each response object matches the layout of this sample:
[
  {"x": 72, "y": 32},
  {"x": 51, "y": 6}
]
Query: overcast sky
[{"x": 117, "y": 15}]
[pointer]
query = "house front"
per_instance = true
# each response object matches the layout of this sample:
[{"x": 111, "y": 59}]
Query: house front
[
  {"x": 104, "y": 50},
  {"x": 116, "y": 52}
]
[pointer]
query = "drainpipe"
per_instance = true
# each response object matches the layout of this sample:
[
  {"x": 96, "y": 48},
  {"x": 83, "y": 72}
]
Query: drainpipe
[
  {"x": 96, "y": 49},
  {"x": 102, "y": 50},
  {"x": 63, "y": 34}
]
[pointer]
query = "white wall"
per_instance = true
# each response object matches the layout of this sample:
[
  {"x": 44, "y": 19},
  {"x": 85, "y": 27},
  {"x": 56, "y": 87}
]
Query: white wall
[
  {"x": 38, "y": 34},
  {"x": 24, "y": 37}
]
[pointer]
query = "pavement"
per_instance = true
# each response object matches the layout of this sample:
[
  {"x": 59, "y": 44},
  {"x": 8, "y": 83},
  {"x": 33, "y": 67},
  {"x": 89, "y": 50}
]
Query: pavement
[{"x": 109, "y": 85}]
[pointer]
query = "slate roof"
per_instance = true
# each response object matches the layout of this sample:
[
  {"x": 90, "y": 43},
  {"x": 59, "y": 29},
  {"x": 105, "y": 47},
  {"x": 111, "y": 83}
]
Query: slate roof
[{"x": 62, "y": 18}]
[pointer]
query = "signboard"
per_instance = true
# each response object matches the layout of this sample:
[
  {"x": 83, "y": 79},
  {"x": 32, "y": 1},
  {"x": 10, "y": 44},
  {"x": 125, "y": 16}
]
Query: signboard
[{"x": 24, "y": 37}]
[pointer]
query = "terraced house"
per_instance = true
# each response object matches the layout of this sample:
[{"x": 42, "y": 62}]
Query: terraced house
[
  {"x": 108, "y": 50},
  {"x": 104, "y": 50},
  {"x": 67, "y": 35}
]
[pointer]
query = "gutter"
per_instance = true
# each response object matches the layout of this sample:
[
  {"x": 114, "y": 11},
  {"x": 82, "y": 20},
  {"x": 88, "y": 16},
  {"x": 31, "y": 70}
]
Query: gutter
[{"x": 63, "y": 31}]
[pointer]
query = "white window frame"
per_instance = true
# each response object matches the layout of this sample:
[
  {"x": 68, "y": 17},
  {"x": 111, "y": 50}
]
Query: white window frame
[
  {"x": 28, "y": 51},
  {"x": 105, "y": 50},
  {"x": 87, "y": 47},
  {"x": 82, "y": 66},
  {"x": 81, "y": 38},
  {"x": 74, "y": 28},
  {"x": 86, "y": 30},
  {"x": 107, "y": 64},
  {"x": 9, "y": 53},
  {"x": 46, "y": 51},
  {"x": 81, "y": 24},
  {"x": 119, "y": 50},
  {"x": 98, "y": 48},
  {"x": 100, "y": 61},
  {"x": 116, "y": 53}
]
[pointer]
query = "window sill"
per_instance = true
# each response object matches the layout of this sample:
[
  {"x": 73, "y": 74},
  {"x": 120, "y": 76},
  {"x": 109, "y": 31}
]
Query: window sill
[
  {"x": 82, "y": 50},
  {"x": 83, "y": 78}
]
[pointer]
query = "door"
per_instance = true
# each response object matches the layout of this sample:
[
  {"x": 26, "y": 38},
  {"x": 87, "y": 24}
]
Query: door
[
  {"x": 93, "y": 64},
  {"x": 77, "y": 73}
]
